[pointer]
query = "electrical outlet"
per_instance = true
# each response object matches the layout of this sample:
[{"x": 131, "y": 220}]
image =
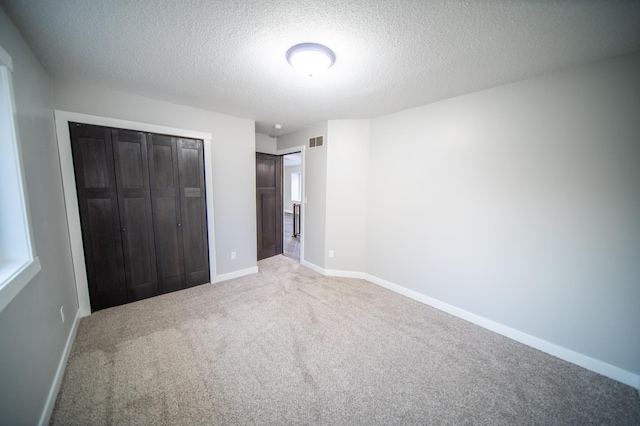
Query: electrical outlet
[
  {"x": 62, "y": 313},
  {"x": 233, "y": 255},
  {"x": 330, "y": 254}
]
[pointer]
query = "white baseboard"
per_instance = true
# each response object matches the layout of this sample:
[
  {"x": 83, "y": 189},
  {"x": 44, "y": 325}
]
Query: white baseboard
[
  {"x": 333, "y": 272},
  {"x": 313, "y": 267},
  {"x": 568, "y": 355},
  {"x": 565, "y": 354},
  {"x": 344, "y": 274},
  {"x": 62, "y": 366},
  {"x": 235, "y": 274}
]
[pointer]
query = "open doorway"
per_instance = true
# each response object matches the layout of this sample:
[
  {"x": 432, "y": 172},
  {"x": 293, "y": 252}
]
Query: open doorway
[{"x": 292, "y": 201}]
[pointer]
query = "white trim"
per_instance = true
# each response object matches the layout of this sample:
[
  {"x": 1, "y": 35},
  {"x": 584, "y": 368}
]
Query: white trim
[
  {"x": 70, "y": 195},
  {"x": 208, "y": 188},
  {"x": 311, "y": 266},
  {"x": 291, "y": 150},
  {"x": 73, "y": 216},
  {"x": 344, "y": 274},
  {"x": 565, "y": 354},
  {"x": 334, "y": 272},
  {"x": 129, "y": 125},
  {"x": 235, "y": 274},
  {"x": 62, "y": 366},
  {"x": 568, "y": 355},
  {"x": 18, "y": 279},
  {"x": 302, "y": 149},
  {"x": 14, "y": 276}
]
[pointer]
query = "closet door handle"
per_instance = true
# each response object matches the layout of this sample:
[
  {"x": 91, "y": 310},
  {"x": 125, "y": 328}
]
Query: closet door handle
[
  {"x": 124, "y": 229},
  {"x": 179, "y": 225}
]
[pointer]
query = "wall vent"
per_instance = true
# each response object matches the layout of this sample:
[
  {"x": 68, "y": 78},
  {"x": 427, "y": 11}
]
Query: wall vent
[{"x": 316, "y": 142}]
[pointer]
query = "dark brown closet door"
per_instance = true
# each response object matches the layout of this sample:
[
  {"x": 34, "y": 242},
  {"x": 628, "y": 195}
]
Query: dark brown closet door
[
  {"x": 193, "y": 211},
  {"x": 269, "y": 204},
  {"x": 136, "y": 218},
  {"x": 167, "y": 221},
  {"x": 98, "y": 203}
]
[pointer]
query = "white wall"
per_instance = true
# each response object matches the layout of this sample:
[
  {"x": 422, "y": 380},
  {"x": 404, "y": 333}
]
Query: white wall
[
  {"x": 520, "y": 204},
  {"x": 315, "y": 190},
  {"x": 233, "y": 157},
  {"x": 266, "y": 144},
  {"x": 288, "y": 202},
  {"x": 32, "y": 335},
  {"x": 347, "y": 194}
]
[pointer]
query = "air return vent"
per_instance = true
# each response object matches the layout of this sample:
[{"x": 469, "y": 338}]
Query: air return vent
[{"x": 316, "y": 142}]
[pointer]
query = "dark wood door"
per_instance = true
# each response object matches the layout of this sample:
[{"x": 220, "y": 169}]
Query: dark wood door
[
  {"x": 167, "y": 220},
  {"x": 142, "y": 212},
  {"x": 136, "y": 217},
  {"x": 92, "y": 150},
  {"x": 193, "y": 211},
  {"x": 269, "y": 204}
]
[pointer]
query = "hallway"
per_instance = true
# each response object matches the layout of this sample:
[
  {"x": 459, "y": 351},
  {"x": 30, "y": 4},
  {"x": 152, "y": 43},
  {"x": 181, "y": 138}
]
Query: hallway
[{"x": 291, "y": 245}]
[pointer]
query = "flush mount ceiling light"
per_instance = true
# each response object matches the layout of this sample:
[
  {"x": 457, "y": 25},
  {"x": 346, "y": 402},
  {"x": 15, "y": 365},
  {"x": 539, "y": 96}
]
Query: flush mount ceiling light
[{"x": 310, "y": 58}]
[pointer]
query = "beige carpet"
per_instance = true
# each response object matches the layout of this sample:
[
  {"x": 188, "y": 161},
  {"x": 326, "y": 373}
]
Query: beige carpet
[{"x": 289, "y": 346}]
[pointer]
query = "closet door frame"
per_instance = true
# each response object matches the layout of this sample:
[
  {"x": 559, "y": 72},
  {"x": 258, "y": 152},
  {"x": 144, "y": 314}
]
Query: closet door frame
[{"x": 62, "y": 119}]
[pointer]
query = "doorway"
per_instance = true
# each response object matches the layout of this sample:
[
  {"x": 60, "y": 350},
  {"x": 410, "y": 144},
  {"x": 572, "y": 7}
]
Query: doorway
[
  {"x": 269, "y": 204},
  {"x": 292, "y": 197},
  {"x": 279, "y": 196}
]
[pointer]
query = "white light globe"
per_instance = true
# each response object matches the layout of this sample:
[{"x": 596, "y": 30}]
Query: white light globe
[{"x": 310, "y": 59}]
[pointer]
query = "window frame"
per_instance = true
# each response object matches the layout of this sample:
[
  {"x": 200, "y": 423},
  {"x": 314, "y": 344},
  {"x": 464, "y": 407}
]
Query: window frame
[{"x": 15, "y": 272}]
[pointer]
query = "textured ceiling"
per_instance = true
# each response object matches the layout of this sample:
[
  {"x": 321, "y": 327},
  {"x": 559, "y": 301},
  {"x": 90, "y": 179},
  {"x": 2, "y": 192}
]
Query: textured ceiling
[{"x": 229, "y": 56}]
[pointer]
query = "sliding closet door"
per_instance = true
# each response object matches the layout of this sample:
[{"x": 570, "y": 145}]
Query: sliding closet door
[
  {"x": 167, "y": 221},
  {"x": 193, "y": 211},
  {"x": 99, "y": 218},
  {"x": 136, "y": 218}
]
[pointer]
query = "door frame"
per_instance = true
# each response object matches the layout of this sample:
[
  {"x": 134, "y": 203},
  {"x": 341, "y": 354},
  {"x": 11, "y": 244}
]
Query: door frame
[
  {"x": 302, "y": 150},
  {"x": 62, "y": 119}
]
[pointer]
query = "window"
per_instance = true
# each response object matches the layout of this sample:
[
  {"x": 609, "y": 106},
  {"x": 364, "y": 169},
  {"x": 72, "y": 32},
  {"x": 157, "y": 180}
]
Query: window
[
  {"x": 18, "y": 263},
  {"x": 296, "y": 187}
]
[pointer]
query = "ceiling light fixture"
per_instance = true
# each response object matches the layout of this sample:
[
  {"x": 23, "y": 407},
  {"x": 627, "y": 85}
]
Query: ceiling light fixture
[{"x": 310, "y": 59}]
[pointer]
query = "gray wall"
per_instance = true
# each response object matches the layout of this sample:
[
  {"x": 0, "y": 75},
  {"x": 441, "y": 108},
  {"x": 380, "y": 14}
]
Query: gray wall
[
  {"x": 347, "y": 194},
  {"x": 266, "y": 144},
  {"x": 32, "y": 335},
  {"x": 520, "y": 204},
  {"x": 315, "y": 189},
  {"x": 233, "y": 158}
]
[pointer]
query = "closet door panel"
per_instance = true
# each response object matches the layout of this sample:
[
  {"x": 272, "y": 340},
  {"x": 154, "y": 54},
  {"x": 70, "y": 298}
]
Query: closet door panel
[
  {"x": 194, "y": 242},
  {"x": 136, "y": 217},
  {"x": 98, "y": 204},
  {"x": 165, "y": 193},
  {"x": 168, "y": 243},
  {"x": 100, "y": 212},
  {"x": 193, "y": 209},
  {"x": 136, "y": 237}
]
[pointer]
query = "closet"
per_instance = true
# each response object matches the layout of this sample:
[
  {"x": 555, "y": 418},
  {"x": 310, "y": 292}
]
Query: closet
[{"x": 142, "y": 207}]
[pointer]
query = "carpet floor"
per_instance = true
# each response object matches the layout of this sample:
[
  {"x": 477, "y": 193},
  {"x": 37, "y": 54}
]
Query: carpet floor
[{"x": 290, "y": 346}]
